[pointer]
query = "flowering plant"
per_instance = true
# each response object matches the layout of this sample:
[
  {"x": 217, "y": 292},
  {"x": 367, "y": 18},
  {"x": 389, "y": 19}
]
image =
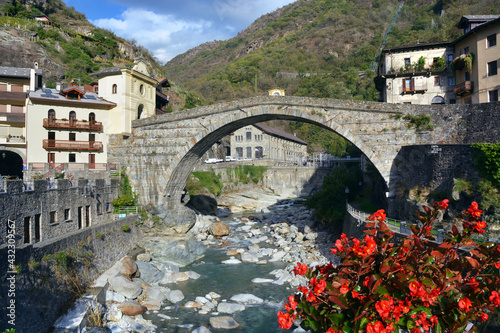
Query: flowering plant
[{"x": 419, "y": 285}]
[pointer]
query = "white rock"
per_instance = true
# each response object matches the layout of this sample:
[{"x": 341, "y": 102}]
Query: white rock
[
  {"x": 193, "y": 275},
  {"x": 175, "y": 296},
  {"x": 230, "y": 308},
  {"x": 231, "y": 261},
  {"x": 247, "y": 299},
  {"x": 213, "y": 295},
  {"x": 260, "y": 280},
  {"x": 113, "y": 297}
]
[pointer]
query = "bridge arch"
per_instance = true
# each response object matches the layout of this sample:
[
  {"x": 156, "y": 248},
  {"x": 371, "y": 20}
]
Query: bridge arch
[{"x": 225, "y": 125}]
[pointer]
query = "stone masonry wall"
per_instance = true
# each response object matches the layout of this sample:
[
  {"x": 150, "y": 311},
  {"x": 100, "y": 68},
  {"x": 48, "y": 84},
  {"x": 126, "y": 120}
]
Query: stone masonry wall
[{"x": 43, "y": 211}]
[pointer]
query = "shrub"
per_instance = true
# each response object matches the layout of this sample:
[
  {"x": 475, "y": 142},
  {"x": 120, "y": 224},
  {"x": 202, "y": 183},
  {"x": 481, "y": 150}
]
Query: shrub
[
  {"x": 100, "y": 235},
  {"x": 125, "y": 228},
  {"x": 418, "y": 285}
]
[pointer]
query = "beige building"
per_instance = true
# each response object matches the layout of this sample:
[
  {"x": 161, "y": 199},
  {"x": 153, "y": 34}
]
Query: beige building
[
  {"x": 132, "y": 90},
  {"x": 260, "y": 141},
  {"x": 417, "y": 74},
  {"x": 67, "y": 126},
  {"x": 14, "y": 86},
  {"x": 477, "y": 59}
]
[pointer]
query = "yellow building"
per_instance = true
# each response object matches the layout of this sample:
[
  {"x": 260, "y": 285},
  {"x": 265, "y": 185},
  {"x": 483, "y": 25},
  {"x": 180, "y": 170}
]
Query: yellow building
[
  {"x": 132, "y": 90},
  {"x": 477, "y": 58}
]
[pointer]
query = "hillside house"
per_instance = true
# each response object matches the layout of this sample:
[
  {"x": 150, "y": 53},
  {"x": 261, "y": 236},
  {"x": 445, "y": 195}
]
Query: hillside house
[
  {"x": 477, "y": 59},
  {"x": 417, "y": 74}
]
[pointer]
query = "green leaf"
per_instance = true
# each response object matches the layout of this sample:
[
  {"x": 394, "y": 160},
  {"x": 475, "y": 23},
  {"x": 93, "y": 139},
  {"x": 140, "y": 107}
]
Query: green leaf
[
  {"x": 337, "y": 318},
  {"x": 381, "y": 290},
  {"x": 439, "y": 328}
]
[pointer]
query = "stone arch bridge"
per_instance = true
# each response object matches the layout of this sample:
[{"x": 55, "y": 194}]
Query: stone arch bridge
[{"x": 162, "y": 151}]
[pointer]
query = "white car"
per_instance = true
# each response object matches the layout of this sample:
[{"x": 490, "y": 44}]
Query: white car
[
  {"x": 230, "y": 158},
  {"x": 211, "y": 160}
]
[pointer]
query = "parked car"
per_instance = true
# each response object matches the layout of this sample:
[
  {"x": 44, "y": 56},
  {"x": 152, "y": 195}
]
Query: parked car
[
  {"x": 211, "y": 160},
  {"x": 230, "y": 159}
]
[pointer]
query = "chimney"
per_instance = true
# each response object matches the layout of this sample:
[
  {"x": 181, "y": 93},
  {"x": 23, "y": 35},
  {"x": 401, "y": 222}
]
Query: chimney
[
  {"x": 72, "y": 83},
  {"x": 32, "y": 79},
  {"x": 58, "y": 86}
]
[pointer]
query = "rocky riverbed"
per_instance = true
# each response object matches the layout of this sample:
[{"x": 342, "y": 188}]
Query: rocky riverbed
[{"x": 230, "y": 274}]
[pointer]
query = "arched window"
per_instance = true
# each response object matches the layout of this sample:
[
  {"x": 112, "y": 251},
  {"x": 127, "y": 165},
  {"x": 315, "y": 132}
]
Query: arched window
[
  {"x": 438, "y": 100},
  {"x": 72, "y": 115},
  {"x": 52, "y": 114},
  {"x": 140, "y": 112},
  {"x": 141, "y": 89},
  {"x": 91, "y": 116},
  {"x": 115, "y": 89}
]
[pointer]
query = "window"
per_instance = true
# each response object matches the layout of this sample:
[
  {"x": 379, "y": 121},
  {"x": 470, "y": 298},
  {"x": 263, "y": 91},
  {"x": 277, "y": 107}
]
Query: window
[
  {"x": 468, "y": 100},
  {"x": 491, "y": 41},
  {"x": 451, "y": 81},
  {"x": 72, "y": 136},
  {"x": 72, "y": 158},
  {"x": 108, "y": 207},
  {"x": 466, "y": 50},
  {"x": 407, "y": 61},
  {"x": 72, "y": 115},
  {"x": 493, "y": 95},
  {"x": 466, "y": 76},
  {"x": 249, "y": 136},
  {"x": 114, "y": 89},
  {"x": 453, "y": 101},
  {"x": 52, "y": 114},
  {"x": 449, "y": 57},
  {"x": 249, "y": 152},
  {"x": 492, "y": 68},
  {"x": 239, "y": 152},
  {"x": 67, "y": 214},
  {"x": 141, "y": 89},
  {"x": 99, "y": 208},
  {"x": 91, "y": 116},
  {"x": 52, "y": 217},
  {"x": 436, "y": 81},
  {"x": 27, "y": 228},
  {"x": 37, "y": 227}
]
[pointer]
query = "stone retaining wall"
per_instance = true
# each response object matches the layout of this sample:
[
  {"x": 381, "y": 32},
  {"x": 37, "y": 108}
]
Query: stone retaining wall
[{"x": 40, "y": 294}]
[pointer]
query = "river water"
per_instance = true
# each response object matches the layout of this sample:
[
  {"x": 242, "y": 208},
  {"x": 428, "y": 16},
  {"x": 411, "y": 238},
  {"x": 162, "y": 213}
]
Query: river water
[{"x": 227, "y": 280}]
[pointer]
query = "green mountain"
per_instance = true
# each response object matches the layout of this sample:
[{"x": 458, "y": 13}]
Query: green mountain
[
  {"x": 317, "y": 48},
  {"x": 67, "y": 47}
]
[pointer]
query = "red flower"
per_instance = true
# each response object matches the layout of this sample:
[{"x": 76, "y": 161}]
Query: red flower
[
  {"x": 379, "y": 215},
  {"x": 285, "y": 320},
  {"x": 293, "y": 304},
  {"x": 473, "y": 210},
  {"x": 344, "y": 289},
  {"x": 443, "y": 205},
  {"x": 483, "y": 317},
  {"x": 497, "y": 265},
  {"x": 301, "y": 269},
  {"x": 464, "y": 304},
  {"x": 355, "y": 294},
  {"x": 384, "y": 307},
  {"x": 366, "y": 281},
  {"x": 479, "y": 226},
  {"x": 495, "y": 298},
  {"x": 331, "y": 330},
  {"x": 377, "y": 327}
]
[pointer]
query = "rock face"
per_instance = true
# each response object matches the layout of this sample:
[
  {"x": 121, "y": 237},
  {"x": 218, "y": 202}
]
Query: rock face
[
  {"x": 125, "y": 287},
  {"x": 180, "y": 252},
  {"x": 149, "y": 273},
  {"x": 131, "y": 308},
  {"x": 219, "y": 229}
]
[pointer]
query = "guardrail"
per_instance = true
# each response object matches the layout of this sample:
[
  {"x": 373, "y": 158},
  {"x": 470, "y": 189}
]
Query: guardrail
[{"x": 397, "y": 226}]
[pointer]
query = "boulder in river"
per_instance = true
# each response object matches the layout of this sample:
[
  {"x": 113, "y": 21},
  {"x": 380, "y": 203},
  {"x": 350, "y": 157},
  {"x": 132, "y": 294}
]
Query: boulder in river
[
  {"x": 247, "y": 299},
  {"x": 219, "y": 229},
  {"x": 227, "y": 323},
  {"x": 149, "y": 273},
  {"x": 131, "y": 308},
  {"x": 128, "y": 267},
  {"x": 124, "y": 287}
]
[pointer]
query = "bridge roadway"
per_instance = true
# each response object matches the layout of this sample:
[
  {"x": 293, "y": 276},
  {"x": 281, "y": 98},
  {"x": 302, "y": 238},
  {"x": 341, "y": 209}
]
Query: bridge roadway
[{"x": 162, "y": 151}]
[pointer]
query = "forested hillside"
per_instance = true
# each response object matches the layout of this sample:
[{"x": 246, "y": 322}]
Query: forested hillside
[
  {"x": 319, "y": 48},
  {"x": 68, "y": 47},
  {"x": 316, "y": 48}
]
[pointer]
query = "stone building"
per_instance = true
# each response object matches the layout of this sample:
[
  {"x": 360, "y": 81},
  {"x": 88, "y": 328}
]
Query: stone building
[
  {"x": 14, "y": 86},
  {"x": 417, "y": 74},
  {"x": 477, "y": 58},
  {"x": 260, "y": 141}
]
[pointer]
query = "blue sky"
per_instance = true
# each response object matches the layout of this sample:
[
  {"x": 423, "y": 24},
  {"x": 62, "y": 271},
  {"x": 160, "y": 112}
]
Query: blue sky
[{"x": 171, "y": 27}]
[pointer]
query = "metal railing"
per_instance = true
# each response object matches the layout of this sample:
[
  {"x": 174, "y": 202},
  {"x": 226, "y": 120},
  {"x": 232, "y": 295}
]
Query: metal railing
[
  {"x": 72, "y": 145},
  {"x": 397, "y": 226},
  {"x": 73, "y": 124}
]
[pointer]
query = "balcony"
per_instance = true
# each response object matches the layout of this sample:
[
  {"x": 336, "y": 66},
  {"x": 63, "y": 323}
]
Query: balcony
[
  {"x": 463, "y": 88},
  {"x": 78, "y": 125},
  {"x": 72, "y": 145},
  {"x": 414, "y": 89}
]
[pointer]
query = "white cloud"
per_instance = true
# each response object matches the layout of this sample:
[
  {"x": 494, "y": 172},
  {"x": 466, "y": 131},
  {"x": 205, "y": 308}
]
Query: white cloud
[
  {"x": 164, "y": 35},
  {"x": 171, "y": 27}
]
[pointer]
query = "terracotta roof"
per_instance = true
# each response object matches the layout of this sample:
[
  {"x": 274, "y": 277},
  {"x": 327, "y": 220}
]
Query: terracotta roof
[
  {"x": 276, "y": 132},
  {"x": 163, "y": 82},
  {"x": 415, "y": 46}
]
